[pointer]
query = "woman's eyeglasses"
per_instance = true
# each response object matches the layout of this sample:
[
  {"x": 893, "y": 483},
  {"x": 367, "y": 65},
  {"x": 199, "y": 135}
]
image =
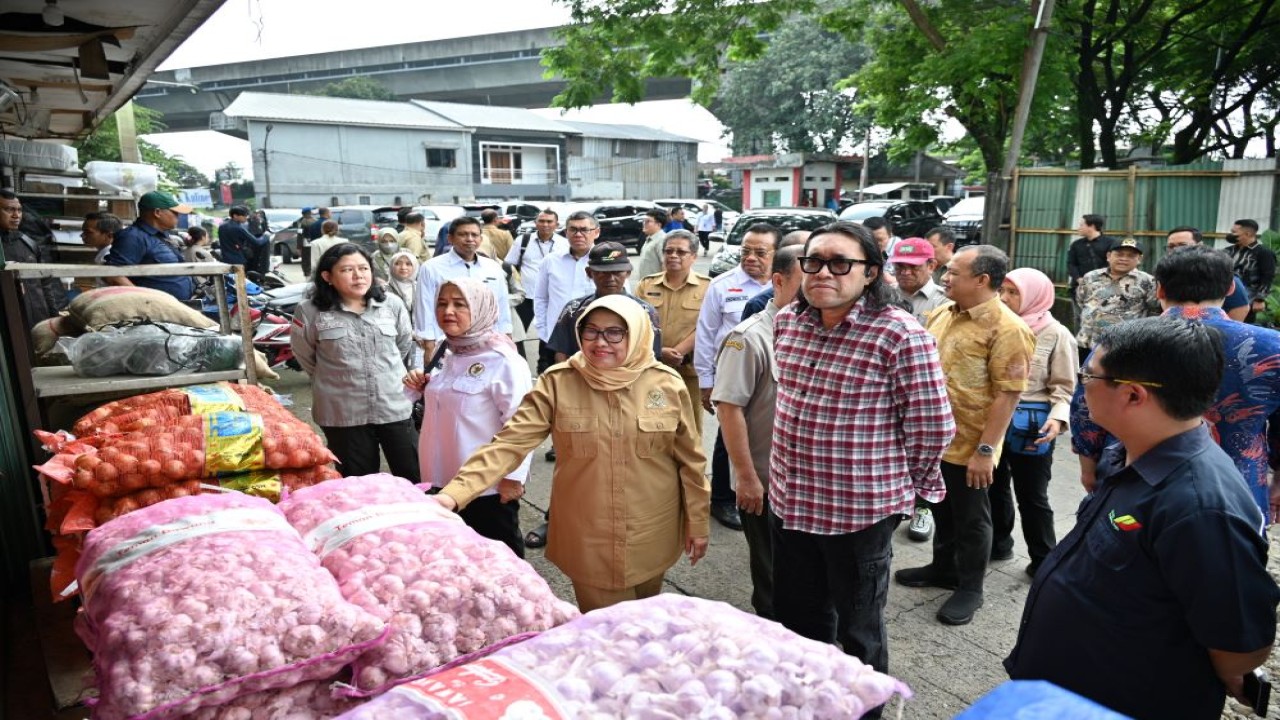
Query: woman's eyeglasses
[
  {"x": 1085, "y": 378},
  {"x": 813, "y": 265},
  {"x": 673, "y": 251},
  {"x": 612, "y": 335}
]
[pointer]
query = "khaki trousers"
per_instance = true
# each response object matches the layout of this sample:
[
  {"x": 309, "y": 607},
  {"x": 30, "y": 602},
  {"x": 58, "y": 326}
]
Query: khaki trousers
[{"x": 593, "y": 598}]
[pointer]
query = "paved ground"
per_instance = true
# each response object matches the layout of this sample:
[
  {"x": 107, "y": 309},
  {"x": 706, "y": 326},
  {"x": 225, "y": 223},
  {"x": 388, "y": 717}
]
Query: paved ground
[{"x": 948, "y": 667}]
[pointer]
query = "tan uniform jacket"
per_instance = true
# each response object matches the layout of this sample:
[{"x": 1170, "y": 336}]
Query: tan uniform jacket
[
  {"x": 496, "y": 243},
  {"x": 628, "y": 475}
]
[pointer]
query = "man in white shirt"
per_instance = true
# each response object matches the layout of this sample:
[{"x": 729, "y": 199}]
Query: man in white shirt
[
  {"x": 526, "y": 256},
  {"x": 722, "y": 307},
  {"x": 563, "y": 277},
  {"x": 462, "y": 260}
]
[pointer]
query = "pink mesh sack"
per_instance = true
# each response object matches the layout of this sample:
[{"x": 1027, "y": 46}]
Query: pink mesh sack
[
  {"x": 444, "y": 590},
  {"x": 668, "y": 656},
  {"x": 196, "y": 601}
]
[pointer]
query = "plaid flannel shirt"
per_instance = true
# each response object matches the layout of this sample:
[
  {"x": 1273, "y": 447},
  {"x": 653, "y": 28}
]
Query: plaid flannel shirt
[{"x": 862, "y": 419}]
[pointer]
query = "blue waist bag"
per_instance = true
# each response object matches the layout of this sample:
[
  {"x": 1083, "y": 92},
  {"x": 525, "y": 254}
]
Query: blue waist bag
[{"x": 1024, "y": 429}]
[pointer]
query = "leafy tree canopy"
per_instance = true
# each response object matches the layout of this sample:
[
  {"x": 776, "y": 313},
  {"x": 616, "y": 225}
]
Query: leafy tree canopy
[
  {"x": 359, "y": 87},
  {"x": 789, "y": 99}
]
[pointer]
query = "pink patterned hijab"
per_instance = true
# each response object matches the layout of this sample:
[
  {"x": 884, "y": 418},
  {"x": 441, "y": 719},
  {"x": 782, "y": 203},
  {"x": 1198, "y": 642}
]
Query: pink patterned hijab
[
  {"x": 1036, "y": 290},
  {"x": 484, "y": 316}
]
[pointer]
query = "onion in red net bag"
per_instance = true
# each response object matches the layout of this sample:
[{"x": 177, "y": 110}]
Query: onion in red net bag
[
  {"x": 668, "y": 656},
  {"x": 445, "y": 590},
  {"x": 196, "y": 601}
]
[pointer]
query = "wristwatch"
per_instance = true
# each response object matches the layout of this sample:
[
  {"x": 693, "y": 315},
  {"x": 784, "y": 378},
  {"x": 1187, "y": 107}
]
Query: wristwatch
[{"x": 986, "y": 450}]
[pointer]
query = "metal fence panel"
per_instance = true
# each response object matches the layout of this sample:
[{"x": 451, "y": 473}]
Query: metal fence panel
[{"x": 1248, "y": 196}]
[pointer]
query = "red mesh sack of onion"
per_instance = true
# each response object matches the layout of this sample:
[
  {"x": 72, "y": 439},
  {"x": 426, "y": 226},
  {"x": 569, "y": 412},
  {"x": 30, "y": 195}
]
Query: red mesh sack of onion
[
  {"x": 445, "y": 590},
  {"x": 668, "y": 657},
  {"x": 198, "y": 600}
]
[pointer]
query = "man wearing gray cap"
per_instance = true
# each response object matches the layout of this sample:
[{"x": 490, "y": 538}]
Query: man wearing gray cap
[{"x": 608, "y": 268}]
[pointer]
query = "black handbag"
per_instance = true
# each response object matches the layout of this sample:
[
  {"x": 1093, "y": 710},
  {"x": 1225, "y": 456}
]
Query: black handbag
[{"x": 419, "y": 406}]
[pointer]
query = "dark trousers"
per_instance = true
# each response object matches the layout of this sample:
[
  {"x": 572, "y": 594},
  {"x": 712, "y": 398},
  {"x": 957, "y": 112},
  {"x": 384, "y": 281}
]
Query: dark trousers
[
  {"x": 833, "y": 588},
  {"x": 704, "y": 237},
  {"x": 357, "y": 448},
  {"x": 962, "y": 540},
  {"x": 721, "y": 486},
  {"x": 1029, "y": 477},
  {"x": 496, "y": 520},
  {"x": 546, "y": 357},
  {"x": 760, "y": 552},
  {"x": 524, "y": 311}
]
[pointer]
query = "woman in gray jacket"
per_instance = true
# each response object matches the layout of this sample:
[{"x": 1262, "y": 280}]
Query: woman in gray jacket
[{"x": 356, "y": 343}]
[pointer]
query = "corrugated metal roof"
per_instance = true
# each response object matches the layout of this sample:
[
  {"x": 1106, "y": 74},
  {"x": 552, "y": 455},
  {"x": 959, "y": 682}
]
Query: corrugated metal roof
[
  {"x": 495, "y": 117},
  {"x": 626, "y": 132},
  {"x": 330, "y": 110}
]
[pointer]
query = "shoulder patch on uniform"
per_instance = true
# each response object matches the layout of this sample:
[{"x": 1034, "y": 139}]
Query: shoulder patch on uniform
[{"x": 735, "y": 344}]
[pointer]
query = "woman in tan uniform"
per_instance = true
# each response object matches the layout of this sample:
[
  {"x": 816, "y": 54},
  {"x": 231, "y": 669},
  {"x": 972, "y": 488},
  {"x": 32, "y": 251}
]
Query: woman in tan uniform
[{"x": 628, "y": 493}]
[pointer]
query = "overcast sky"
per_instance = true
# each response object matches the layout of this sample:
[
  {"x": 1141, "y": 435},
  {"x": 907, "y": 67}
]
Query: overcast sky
[{"x": 258, "y": 29}]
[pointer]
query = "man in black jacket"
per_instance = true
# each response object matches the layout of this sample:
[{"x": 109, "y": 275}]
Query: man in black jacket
[
  {"x": 41, "y": 298},
  {"x": 1087, "y": 252}
]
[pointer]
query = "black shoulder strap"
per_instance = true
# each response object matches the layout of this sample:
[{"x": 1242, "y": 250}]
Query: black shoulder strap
[{"x": 524, "y": 245}]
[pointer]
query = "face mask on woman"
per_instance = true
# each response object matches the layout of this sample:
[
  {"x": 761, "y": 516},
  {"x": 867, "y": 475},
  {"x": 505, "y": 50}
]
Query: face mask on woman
[{"x": 389, "y": 248}]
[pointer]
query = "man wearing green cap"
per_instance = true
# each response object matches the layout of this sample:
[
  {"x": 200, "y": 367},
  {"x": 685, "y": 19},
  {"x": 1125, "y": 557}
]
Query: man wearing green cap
[{"x": 146, "y": 243}]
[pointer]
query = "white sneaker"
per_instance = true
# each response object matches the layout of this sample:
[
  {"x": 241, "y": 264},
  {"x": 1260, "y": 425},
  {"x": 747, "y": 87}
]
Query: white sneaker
[{"x": 921, "y": 527}]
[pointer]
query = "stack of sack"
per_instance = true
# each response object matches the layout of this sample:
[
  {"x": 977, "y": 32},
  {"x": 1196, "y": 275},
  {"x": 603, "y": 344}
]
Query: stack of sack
[{"x": 107, "y": 307}]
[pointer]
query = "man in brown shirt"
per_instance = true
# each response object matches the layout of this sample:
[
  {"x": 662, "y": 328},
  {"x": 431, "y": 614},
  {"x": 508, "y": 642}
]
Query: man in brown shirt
[
  {"x": 497, "y": 242},
  {"x": 985, "y": 350},
  {"x": 676, "y": 293}
]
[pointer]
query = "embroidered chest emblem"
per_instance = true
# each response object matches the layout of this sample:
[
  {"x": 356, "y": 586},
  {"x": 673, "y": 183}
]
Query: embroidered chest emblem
[
  {"x": 1126, "y": 523},
  {"x": 476, "y": 369},
  {"x": 656, "y": 400}
]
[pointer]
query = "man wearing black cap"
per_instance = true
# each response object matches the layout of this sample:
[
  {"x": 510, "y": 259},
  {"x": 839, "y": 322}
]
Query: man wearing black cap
[
  {"x": 1115, "y": 293},
  {"x": 146, "y": 243},
  {"x": 608, "y": 268},
  {"x": 237, "y": 244}
]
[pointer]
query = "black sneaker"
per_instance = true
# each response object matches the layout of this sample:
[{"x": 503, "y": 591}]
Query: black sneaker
[
  {"x": 960, "y": 607},
  {"x": 550, "y": 456}
]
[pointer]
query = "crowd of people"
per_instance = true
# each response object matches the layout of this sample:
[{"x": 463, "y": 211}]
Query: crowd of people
[{"x": 860, "y": 382}]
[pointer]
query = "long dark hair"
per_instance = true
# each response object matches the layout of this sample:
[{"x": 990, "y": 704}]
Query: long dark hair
[
  {"x": 322, "y": 293},
  {"x": 878, "y": 293}
]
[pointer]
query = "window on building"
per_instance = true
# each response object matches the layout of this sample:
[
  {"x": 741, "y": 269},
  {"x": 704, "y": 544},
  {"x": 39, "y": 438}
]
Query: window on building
[
  {"x": 519, "y": 164},
  {"x": 771, "y": 198},
  {"x": 364, "y": 200},
  {"x": 442, "y": 158}
]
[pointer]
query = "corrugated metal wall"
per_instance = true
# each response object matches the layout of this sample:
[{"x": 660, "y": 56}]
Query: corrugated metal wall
[
  {"x": 1141, "y": 202},
  {"x": 664, "y": 169}
]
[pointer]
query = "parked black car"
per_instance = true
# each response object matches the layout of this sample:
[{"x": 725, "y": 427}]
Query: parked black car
[
  {"x": 620, "y": 220},
  {"x": 910, "y": 218},
  {"x": 785, "y": 219}
]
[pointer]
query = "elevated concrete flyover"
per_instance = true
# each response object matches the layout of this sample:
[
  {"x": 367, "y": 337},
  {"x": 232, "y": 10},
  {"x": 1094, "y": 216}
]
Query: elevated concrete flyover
[{"x": 500, "y": 69}]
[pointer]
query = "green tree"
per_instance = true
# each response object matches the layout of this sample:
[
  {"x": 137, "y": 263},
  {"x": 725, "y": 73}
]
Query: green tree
[
  {"x": 360, "y": 87},
  {"x": 955, "y": 59},
  {"x": 789, "y": 100},
  {"x": 1147, "y": 72}
]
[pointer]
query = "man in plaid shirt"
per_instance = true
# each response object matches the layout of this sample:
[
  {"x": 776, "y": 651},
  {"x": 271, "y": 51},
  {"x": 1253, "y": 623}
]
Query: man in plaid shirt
[{"x": 862, "y": 420}]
